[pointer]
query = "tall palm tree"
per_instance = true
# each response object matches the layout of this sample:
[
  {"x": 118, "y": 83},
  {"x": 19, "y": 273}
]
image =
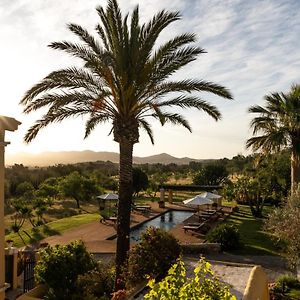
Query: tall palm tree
[
  {"x": 125, "y": 81},
  {"x": 279, "y": 123}
]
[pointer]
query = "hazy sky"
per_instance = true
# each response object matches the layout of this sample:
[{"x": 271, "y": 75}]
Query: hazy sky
[{"x": 253, "y": 48}]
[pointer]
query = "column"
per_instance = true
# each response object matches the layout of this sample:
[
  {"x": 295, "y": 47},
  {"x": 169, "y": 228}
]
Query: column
[
  {"x": 2, "y": 231},
  {"x": 170, "y": 197},
  {"x": 11, "y": 124}
]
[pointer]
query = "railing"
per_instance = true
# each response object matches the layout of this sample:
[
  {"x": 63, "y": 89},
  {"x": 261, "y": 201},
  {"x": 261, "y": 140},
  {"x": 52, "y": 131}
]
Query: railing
[{"x": 29, "y": 283}]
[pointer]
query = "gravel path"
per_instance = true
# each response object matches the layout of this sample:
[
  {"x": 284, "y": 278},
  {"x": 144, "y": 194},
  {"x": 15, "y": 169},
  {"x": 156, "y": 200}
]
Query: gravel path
[{"x": 236, "y": 277}]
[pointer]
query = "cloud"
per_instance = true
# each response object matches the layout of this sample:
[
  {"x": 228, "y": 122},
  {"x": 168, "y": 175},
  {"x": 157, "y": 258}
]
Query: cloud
[{"x": 253, "y": 48}]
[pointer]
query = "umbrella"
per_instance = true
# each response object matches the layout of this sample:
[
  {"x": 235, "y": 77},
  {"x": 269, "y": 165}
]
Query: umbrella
[
  {"x": 109, "y": 196},
  {"x": 198, "y": 200},
  {"x": 210, "y": 195}
]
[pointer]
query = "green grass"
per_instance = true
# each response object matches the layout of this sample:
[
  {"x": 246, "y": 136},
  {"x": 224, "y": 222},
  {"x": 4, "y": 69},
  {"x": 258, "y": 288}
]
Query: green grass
[
  {"x": 51, "y": 228},
  {"x": 255, "y": 240}
]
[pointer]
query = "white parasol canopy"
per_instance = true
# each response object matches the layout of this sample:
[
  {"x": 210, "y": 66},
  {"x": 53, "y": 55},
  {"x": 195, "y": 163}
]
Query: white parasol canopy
[
  {"x": 109, "y": 196},
  {"x": 210, "y": 195},
  {"x": 198, "y": 200}
]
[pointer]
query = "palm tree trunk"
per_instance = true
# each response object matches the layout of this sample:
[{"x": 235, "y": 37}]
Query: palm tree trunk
[
  {"x": 124, "y": 209},
  {"x": 295, "y": 171}
]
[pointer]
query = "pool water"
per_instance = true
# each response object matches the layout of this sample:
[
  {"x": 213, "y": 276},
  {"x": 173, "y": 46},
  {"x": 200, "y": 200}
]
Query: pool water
[{"x": 166, "y": 221}]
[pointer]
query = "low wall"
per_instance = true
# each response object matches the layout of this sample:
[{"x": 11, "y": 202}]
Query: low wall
[
  {"x": 257, "y": 285},
  {"x": 201, "y": 248},
  {"x": 35, "y": 294}
]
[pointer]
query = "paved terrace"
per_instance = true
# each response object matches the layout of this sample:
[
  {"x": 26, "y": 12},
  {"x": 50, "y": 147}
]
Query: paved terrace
[{"x": 95, "y": 234}]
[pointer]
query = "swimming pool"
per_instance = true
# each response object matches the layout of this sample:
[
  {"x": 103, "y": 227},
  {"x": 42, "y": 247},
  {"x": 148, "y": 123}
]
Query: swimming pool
[{"x": 165, "y": 221}]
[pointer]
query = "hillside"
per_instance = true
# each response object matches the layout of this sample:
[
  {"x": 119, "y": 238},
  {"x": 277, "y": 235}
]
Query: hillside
[{"x": 70, "y": 157}]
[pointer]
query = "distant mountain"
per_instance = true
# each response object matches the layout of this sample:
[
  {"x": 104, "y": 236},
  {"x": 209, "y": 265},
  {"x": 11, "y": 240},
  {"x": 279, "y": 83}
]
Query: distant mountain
[{"x": 71, "y": 157}]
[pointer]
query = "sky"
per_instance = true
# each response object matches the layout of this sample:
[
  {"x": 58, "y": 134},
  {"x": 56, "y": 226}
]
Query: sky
[{"x": 253, "y": 48}]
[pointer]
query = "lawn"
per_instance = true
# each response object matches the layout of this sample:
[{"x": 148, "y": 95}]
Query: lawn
[
  {"x": 51, "y": 228},
  {"x": 255, "y": 240}
]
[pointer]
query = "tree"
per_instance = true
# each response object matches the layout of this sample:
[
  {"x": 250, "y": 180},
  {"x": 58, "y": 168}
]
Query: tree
[
  {"x": 279, "y": 123},
  {"x": 49, "y": 188},
  {"x": 139, "y": 180},
  {"x": 124, "y": 80},
  {"x": 284, "y": 225},
  {"x": 212, "y": 174},
  {"x": 25, "y": 190},
  {"x": 79, "y": 187}
]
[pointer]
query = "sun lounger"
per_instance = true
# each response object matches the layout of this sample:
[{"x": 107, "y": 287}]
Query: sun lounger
[
  {"x": 104, "y": 219},
  {"x": 193, "y": 227},
  {"x": 210, "y": 211},
  {"x": 141, "y": 208}
]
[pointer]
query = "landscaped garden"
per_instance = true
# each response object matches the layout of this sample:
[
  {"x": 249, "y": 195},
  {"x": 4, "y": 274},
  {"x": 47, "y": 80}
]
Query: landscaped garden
[{"x": 125, "y": 79}]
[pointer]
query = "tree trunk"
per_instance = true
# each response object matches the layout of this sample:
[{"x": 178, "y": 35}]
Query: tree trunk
[
  {"x": 295, "y": 171},
  {"x": 124, "y": 209}
]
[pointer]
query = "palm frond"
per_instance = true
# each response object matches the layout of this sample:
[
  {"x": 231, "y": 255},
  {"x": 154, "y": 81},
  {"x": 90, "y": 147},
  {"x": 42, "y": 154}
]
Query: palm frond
[
  {"x": 189, "y": 85},
  {"x": 52, "y": 117},
  {"x": 175, "y": 119},
  {"x": 150, "y": 32},
  {"x": 84, "y": 35},
  {"x": 93, "y": 121},
  {"x": 70, "y": 78},
  {"x": 269, "y": 142},
  {"x": 146, "y": 126},
  {"x": 192, "y": 102},
  {"x": 56, "y": 101}
]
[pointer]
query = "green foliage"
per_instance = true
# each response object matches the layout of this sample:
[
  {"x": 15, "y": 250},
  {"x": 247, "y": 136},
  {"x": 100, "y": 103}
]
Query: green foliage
[
  {"x": 284, "y": 288},
  {"x": 228, "y": 190},
  {"x": 283, "y": 223},
  {"x": 96, "y": 284},
  {"x": 79, "y": 187},
  {"x": 277, "y": 126},
  {"x": 211, "y": 174},
  {"x": 153, "y": 255},
  {"x": 49, "y": 188},
  {"x": 203, "y": 286},
  {"x": 59, "y": 267},
  {"x": 25, "y": 190},
  {"x": 139, "y": 180},
  {"x": 225, "y": 234}
]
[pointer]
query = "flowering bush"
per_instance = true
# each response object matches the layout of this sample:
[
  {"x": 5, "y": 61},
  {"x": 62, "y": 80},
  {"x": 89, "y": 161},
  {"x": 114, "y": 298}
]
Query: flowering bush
[
  {"x": 204, "y": 286},
  {"x": 153, "y": 255}
]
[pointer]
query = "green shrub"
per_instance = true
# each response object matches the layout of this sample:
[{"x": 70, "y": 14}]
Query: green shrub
[
  {"x": 176, "y": 285},
  {"x": 59, "y": 267},
  {"x": 283, "y": 285},
  {"x": 225, "y": 234},
  {"x": 96, "y": 284},
  {"x": 153, "y": 255}
]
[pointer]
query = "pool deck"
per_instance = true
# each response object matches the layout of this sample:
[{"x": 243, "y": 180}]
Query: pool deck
[{"x": 95, "y": 235}]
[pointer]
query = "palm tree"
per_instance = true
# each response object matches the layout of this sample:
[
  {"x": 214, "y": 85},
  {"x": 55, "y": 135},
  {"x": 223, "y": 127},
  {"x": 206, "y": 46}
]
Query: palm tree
[
  {"x": 279, "y": 123},
  {"x": 123, "y": 80}
]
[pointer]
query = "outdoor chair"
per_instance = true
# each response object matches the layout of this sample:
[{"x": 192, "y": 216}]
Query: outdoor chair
[
  {"x": 193, "y": 226},
  {"x": 104, "y": 219},
  {"x": 141, "y": 208}
]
